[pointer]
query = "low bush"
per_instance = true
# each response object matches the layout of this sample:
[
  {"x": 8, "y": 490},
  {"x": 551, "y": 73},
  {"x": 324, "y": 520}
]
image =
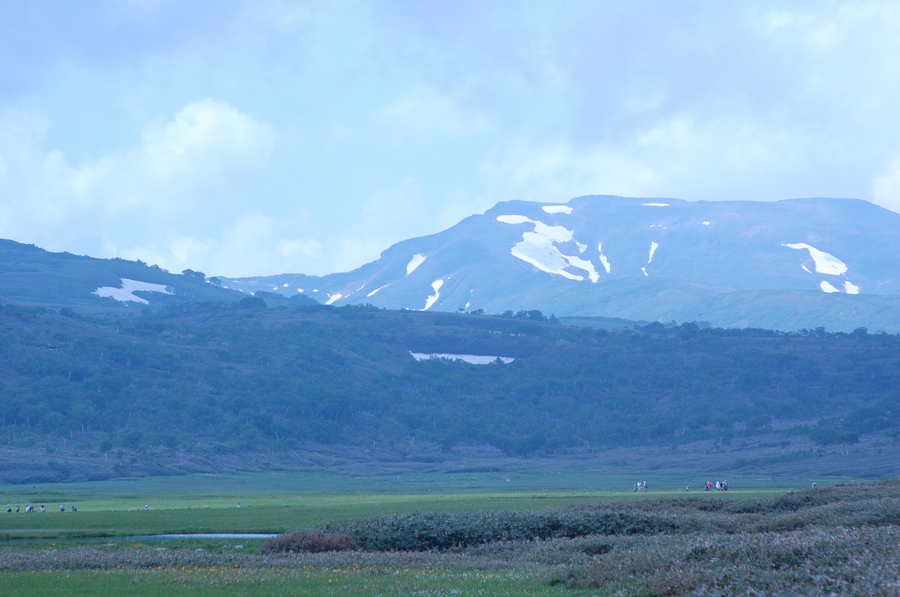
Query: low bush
[
  {"x": 448, "y": 531},
  {"x": 312, "y": 541}
]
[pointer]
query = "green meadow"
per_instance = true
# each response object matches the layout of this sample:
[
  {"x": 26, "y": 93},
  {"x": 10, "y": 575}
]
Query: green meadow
[
  {"x": 279, "y": 502},
  {"x": 671, "y": 541}
]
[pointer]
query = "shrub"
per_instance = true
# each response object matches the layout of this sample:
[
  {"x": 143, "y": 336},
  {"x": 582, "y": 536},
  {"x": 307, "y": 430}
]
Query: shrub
[{"x": 312, "y": 541}]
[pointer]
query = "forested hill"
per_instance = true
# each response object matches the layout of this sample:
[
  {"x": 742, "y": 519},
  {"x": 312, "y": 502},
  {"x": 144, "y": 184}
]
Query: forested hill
[{"x": 238, "y": 386}]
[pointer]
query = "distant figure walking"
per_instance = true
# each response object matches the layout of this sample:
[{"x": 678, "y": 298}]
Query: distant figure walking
[
  {"x": 43, "y": 509},
  {"x": 62, "y": 508},
  {"x": 146, "y": 507}
]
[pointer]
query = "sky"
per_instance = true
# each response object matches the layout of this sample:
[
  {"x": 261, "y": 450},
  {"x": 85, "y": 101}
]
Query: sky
[{"x": 258, "y": 137}]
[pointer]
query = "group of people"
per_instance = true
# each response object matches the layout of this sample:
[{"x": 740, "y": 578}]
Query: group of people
[
  {"x": 719, "y": 485},
  {"x": 30, "y": 508}
]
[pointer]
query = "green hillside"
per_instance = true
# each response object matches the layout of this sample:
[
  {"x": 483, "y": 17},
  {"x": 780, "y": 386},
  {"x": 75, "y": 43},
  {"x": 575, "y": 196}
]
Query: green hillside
[{"x": 239, "y": 386}]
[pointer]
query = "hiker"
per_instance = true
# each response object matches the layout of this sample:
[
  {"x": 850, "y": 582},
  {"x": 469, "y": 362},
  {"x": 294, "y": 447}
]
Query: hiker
[
  {"x": 8, "y": 509},
  {"x": 74, "y": 509},
  {"x": 43, "y": 509},
  {"x": 62, "y": 508},
  {"x": 146, "y": 507}
]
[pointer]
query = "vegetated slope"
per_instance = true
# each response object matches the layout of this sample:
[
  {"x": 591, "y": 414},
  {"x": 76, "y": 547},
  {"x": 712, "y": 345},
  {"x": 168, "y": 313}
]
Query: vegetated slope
[
  {"x": 788, "y": 265},
  {"x": 203, "y": 387},
  {"x": 32, "y": 276}
]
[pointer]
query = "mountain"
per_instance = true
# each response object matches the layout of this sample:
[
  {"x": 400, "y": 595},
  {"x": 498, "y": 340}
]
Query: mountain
[
  {"x": 32, "y": 276},
  {"x": 791, "y": 264}
]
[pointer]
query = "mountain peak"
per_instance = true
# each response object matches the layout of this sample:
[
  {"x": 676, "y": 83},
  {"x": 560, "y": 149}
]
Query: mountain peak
[{"x": 591, "y": 256}]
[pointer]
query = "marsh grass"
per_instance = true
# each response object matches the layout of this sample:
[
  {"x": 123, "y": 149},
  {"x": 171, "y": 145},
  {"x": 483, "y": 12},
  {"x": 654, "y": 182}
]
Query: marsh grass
[{"x": 838, "y": 540}]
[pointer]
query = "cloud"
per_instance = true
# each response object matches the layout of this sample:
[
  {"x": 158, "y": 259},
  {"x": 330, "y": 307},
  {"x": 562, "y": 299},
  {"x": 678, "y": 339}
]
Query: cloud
[
  {"x": 557, "y": 171},
  {"x": 886, "y": 186},
  {"x": 254, "y": 244},
  {"x": 426, "y": 110},
  {"x": 183, "y": 168},
  {"x": 385, "y": 218}
]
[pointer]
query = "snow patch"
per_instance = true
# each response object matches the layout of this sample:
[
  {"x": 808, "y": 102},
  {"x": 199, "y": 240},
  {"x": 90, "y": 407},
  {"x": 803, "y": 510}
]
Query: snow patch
[
  {"x": 514, "y": 219},
  {"x": 604, "y": 262},
  {"x": 333, "y": 297},
  {"x": 299, "y": 290},
  {"x": 653, "y": 247},
  {"x": 473, "y": 359},
  {"x": 644, "y": 269},
  {"x": 376, "y": 290},
  {"x": 539, "y": 249},
  {"x": 655, "y": 204},
  {"x": 125, "y": 293},
  {"x": 826, "y": 263},
  {"x": 827, "y": 287},
  {"x": 850, "y": 288},
  {"x": 431, "y": 300},
  {"x": 557, "y": 209},
  {"x": 415, "y": 262},
  {"x": 706, "y": 222},
  {"x": 285, "y": 285}
]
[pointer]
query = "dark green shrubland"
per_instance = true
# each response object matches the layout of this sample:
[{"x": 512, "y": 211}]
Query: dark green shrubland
[{"x": 843, "y": 540}]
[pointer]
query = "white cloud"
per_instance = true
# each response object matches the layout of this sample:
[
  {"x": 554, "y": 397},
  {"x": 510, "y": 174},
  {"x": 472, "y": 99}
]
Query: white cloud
[
  {"x": 427, "y": 110},
  {"x": 254, "y": 244},
  {"x": 886, "y": 186},
  {"x": 677, "y": 157},
  {"x": 182, "y": 168},
  {"x": 557, "y": 171}
]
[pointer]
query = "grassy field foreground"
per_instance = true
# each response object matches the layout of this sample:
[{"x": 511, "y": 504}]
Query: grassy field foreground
[{"x": 402, "y": 537}]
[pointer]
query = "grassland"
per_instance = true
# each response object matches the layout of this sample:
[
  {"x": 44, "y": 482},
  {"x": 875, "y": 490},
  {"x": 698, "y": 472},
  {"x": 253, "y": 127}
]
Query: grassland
[{"x": 764, "y": 535}]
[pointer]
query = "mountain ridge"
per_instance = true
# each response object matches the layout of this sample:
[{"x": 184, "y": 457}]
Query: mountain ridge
[{"x": 717, "y": 261}]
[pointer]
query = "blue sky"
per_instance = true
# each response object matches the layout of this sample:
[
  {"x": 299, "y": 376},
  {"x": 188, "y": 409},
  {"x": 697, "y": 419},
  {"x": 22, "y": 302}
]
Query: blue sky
[{"x": 254, "y": 137}]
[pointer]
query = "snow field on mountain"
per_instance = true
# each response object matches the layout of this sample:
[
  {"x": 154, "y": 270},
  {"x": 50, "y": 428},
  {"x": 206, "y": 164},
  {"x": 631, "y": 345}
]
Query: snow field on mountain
[
  {"x": 472, "y": 359},
  {"x": 557, "y": 209},
  {"x": 415, "y": 262},
  {"x": 125, "y": 292},
  {"x": 371, "y": 294},
  {"x": 826, "y": 263},
  {"x": 538, "y": 248},
  {"x": 431, "y": 300}
]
